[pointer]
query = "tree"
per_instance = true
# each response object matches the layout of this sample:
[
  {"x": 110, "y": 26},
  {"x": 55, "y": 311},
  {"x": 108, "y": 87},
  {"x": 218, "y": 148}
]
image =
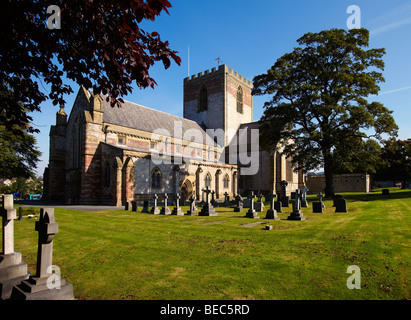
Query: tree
[
  {"x": 318, "y": 102},
  {"x": 99, "y": 45},
  {"x": 396, "y": 155},
  {"x": 18, "y": 153}
]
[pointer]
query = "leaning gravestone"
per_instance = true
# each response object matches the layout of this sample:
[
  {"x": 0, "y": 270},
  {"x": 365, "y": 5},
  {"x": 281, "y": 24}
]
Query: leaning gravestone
[
  {"x": 340, "y": 205},
  {"x": 251, "y": 213},
  {"x": 12, "y": 269},
  {"x": 177, "y": 209},
  {"x": 45, "y": 285},
  {"x": 193, "y": 210},
  {"x": 296, "y": 214},
  {"x": 208, "y": 209},
  {"x": 155, "y": 209},
  {"x": 165, "y": 210},
  {"x": 272, "y": 213}
]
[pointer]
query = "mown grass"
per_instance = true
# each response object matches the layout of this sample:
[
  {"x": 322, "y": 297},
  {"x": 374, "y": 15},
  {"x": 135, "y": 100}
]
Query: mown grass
[{"x": 127, "y": 255}]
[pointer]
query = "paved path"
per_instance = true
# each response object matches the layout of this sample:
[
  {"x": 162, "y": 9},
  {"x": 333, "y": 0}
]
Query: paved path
[{"x": 89, "y": 208}]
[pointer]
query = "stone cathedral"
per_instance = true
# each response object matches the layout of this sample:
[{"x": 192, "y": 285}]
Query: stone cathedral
[{"x": 105, "y": 155}]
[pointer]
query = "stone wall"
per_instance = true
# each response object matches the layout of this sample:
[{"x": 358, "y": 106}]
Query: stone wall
[{"x": 355, "y": 182}]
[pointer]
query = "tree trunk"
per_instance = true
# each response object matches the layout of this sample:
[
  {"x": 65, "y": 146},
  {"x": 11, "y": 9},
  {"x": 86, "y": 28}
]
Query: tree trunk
[{"x": 328, "y": 172}]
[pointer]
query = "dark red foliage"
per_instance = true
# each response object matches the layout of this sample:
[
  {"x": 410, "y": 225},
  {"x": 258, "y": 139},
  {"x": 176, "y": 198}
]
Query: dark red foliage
[{"x": 100, "y": 46}]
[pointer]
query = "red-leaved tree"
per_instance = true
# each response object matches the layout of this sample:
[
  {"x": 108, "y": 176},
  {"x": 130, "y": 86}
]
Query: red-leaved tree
[{"x": 98, "y": 44}]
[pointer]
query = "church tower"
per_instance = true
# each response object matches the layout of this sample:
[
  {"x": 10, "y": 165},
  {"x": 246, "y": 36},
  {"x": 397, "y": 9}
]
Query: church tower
[{"x": 219, "y": 99}]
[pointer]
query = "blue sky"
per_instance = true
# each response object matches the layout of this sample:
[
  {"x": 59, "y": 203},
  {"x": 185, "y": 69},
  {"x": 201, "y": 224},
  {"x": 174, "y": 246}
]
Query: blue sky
[{"x": 249, "y": 36}]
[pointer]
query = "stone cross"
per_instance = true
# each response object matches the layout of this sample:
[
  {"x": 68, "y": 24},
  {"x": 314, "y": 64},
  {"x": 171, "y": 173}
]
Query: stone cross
[
  {"x": 165, "y": 199},
  {"x": 47, "y": 228},
  {"x": 178, "y": 197},
  {"x": 226, "y": 199},
  {"x": 207, "y": 192},
  {"x": 8, "y": 214},
  {"x": 272, "y": 212},
  {"x": 297, "y": 203},
  {"x": 304, "y": 203},
  {"x": 155, "y": 198},
  {"x": 251, "y": 213},
  {"x": 320, "y": 197},
  {"x": 155, "y": 209}
]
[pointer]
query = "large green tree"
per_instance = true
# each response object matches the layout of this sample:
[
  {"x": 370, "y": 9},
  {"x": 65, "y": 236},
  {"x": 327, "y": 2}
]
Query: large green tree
[
  {"x": 98, "y": 44},
  {"x": 319, "y": 99},
  {"x": 19, "y": 154}
]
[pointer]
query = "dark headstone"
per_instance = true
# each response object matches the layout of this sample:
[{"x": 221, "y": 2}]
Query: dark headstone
[
  {"x": 145, "y": 207},
  {"x": 278, "y": 206},
  {"x": 296, "y": 214},
  {"x": 238, "y": 204},
  {"x": 385, "y": 192},
  {"x": 317, "y": 207},
  {"x": 340, "y": 205}
]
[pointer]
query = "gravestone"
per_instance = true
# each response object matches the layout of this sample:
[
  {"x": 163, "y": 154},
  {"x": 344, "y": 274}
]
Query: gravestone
[
  {"x": 284, "y": 199},
  {"x": 20, "y": 213},
  {"x": 296, "y": 214},
  {"x": 127, "y": 206},
  {"x": 226, "y": 199},
  {"x": 12, "y": 269},
  {"x": 213, "y": 202},
  {"x": 335, "y": 197},
  {"x": 259, "y": 205},
  {"x": 177, "y": 209},
  {"x": 155, "y": 209},
  {"x": 251, "y": 213},
  {"x": 238, "y": 204},
  {"x": 134, "y": 206},
  {"x": 304, "y": 203},
  {"x": 317, "y": 207},
  {"x": 165, "y": 210},
  {"x": 193, "y": 210},
  {"x": 146, "y": 208},
  {"x": 385, "y": 192},
  {"x": 208, "y": 209},
  {"x": 320, "y": 198},
  {"x": 272, "y": 213},
  {"x": 45, "y": 285},
  {"x": 340, "y": 205},
  {"x": 278, "y": 206}
]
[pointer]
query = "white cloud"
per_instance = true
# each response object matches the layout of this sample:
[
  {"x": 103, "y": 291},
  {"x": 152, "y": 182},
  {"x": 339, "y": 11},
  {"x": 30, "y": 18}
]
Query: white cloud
[
  {"x": 395, "y": 90},
  {"x": 395, "y": 18}
]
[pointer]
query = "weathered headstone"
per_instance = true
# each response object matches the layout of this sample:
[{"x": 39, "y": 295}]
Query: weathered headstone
[
  {"x": 134, "y": 206},
  {"x": 272, "y": 213},
  {"x": 278, "y": 206},
  {"x": 213, "y": 201},
  {"x": 208, "y": 209},
  {"x": 177, "y": 209},
  {"x": 335, "y": 197},
  {"x": 155, "y": 209},
  {"x": 12, "y": 269},
  {"x": 165, "y": 210},
  {"x": 304, "y": 203},
  {"x": 45, "y": 285},
  {"x": 251, "y": 213},
  {"x": 340, "y": 205},
  {"x": 317, "y": 207},
  {"x": 226, "y": 199},
  {"x": 284, "y": 198},
  {"x": 146, "y": 207},
  {"x": 193, "y": 210},
  {"x": 127, "y": 206},
  {"x": 259, "y": 205},
  {"x": 296, "y": 214},
  {"x": 238, "y": 204}
]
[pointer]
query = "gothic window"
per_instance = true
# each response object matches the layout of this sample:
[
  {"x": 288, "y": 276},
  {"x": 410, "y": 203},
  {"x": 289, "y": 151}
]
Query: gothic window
[
  {"x": 207, "y": 181},
  {"x": 203, "y": 101},
  {"x": 240, "y": 100},
  {"x": 156, "y": 178},
  {"x": 226, "y": 181}
]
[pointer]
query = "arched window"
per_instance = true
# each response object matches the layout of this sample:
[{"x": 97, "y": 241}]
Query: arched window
[
  {"x": 226, "y": 181},
  {"x": 240, "y": 100},
  {"x": 207, "y": 180},
  {"x": 156, "y": 178},
  {"x": 203, "y": 101}
]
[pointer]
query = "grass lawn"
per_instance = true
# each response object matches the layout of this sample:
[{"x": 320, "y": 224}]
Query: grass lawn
[{"x": 127, "y": 255}]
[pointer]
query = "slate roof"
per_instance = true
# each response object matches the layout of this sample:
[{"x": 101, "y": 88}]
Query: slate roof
[{"x": 132, "y": 115}]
